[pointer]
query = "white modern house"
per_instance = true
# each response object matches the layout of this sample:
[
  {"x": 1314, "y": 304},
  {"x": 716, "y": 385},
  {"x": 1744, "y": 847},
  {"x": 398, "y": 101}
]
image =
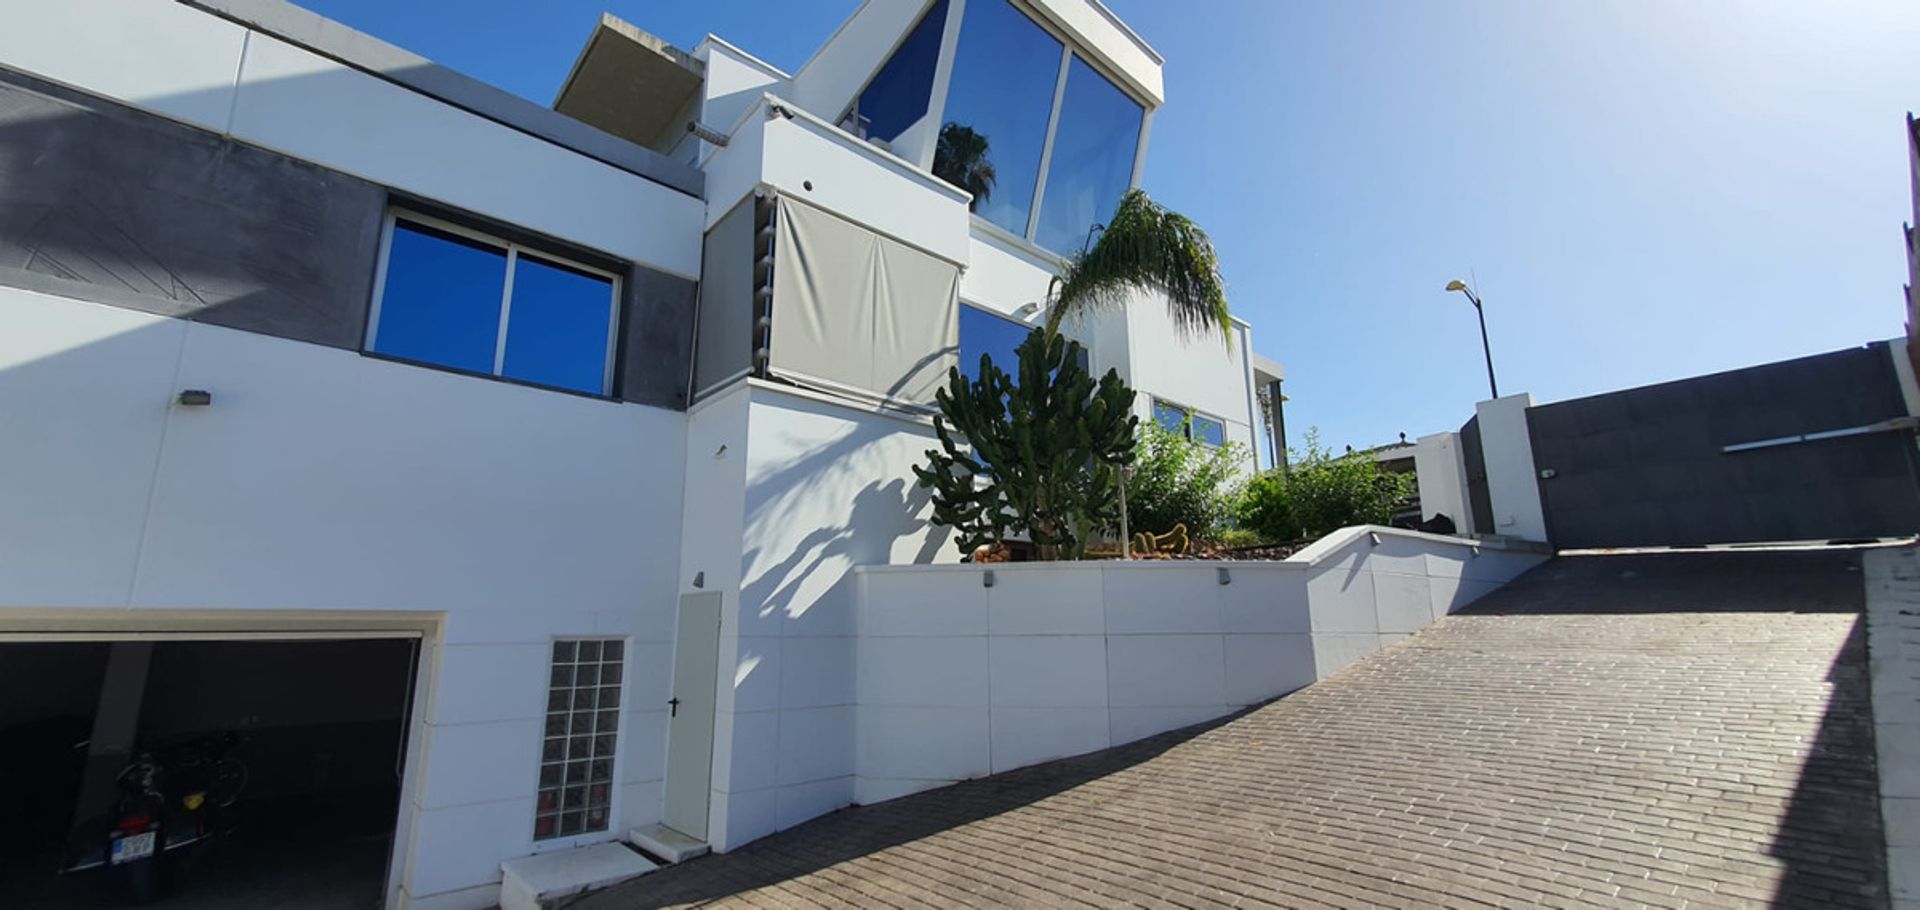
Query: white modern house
[{"x": 514, "y": 465}]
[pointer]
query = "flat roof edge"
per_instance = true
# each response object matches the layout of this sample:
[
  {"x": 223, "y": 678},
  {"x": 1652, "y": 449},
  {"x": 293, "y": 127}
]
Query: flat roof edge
[{"x": 371, "y": 55}]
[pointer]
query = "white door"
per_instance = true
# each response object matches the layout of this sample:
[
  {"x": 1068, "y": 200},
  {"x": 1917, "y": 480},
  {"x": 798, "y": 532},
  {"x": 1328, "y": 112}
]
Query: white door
[{"x": 696, "y": 656}]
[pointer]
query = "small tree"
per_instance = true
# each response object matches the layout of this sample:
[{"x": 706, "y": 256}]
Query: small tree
[
  {"x": 1176, "y": 480},
  {"x": 1042, "y": 454},
  {"x": 1321, "y": 493}
]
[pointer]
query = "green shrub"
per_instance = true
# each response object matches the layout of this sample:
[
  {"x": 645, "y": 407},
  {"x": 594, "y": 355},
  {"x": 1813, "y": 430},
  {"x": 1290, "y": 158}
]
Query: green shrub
[
  {"x": 1042, "y": 451},
  {"x": 1320, "y": 493},
  {"x": 1235, "y": 538},
  {"x": 1178, "y": 481}
]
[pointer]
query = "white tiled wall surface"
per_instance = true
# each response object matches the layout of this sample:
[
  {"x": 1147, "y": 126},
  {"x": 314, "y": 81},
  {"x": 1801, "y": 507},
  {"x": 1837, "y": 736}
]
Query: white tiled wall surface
[{"x": 957, "y": 678}]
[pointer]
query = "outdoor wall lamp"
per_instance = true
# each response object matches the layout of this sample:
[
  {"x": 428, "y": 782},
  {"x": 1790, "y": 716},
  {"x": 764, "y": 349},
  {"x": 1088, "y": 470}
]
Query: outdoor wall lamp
[
  {"x": 1225, "y": 577},
  {"x": 986, "y": 579},
  {"x": 195, "y": 398},
  {"x": 1461, "y": 286}
]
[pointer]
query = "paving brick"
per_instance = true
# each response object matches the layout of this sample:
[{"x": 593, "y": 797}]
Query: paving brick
[{"x": 1606, "y": 746}]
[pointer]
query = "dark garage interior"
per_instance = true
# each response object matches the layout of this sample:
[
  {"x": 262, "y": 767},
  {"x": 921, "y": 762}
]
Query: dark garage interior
[{"x": 273, "y": 767}]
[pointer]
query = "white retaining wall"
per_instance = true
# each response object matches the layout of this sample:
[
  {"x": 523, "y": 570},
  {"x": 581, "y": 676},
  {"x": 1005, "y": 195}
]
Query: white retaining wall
[{"x": 956, "y": 679}]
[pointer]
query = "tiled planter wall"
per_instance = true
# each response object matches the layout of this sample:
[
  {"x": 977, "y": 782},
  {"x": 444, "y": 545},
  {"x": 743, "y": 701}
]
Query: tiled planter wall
[{"x": 956, "y": 678}]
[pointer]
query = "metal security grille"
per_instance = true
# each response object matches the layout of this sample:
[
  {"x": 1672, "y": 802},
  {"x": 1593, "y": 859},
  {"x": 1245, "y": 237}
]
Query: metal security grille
[{"x": 583, "y": 721}]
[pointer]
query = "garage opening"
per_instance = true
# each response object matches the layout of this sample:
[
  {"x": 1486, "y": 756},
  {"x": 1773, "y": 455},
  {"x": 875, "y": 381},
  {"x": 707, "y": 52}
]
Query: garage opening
[{"x": 202, "y": 773}]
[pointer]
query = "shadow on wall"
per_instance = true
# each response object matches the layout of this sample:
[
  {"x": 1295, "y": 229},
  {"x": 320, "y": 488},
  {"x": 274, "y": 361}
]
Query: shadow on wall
[
  {"x": 102, "y": 202},
  {"x": 828, "y": 472}
]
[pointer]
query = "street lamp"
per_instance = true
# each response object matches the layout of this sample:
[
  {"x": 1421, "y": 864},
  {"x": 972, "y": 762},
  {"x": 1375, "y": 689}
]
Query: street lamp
[{"x": 1461, "y": 286}]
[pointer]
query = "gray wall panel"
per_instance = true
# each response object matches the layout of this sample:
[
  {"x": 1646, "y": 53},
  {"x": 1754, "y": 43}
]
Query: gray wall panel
[
  {"x": 1644, "y": 467},
  {"x": 726, "y": 299},
  {"x": 656, "y": 345},
  {"x": 106, "y": 203}
]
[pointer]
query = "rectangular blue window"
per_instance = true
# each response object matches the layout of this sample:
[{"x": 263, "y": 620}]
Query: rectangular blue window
[
  {"x": 441, "y": 303},
  {"x": 559, "y": 321},
  {"x": 996, "y": 337},
  {"x": 1209, "y": 431},
  {"x": 1189, "y": 423},
  {"x": 459, "y": 299},
  {"x": 1170, "y": 417}
]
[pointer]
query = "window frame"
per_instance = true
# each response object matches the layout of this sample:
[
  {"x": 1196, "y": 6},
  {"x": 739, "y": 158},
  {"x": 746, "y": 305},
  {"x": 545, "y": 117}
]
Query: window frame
[
  {"x": 1069, "y": 49},
  {"x": 1156, "y": 402},
  {"x": 513, "y": 250}
]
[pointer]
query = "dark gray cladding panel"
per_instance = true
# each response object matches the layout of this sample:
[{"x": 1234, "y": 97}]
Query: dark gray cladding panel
[
  {"x": 110, "y": 204},
  {"x": 1645, "y": 467},
  {"x": 656, "y": 353}
]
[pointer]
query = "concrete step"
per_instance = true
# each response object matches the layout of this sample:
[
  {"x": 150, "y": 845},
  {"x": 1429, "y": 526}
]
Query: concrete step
[
  {"x": 526, "y": 883},
  {"x": 666, "y": 843}
]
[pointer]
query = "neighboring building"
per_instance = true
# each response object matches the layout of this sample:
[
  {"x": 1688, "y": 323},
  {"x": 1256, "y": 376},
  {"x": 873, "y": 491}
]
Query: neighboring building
[
  {"x": 1912, "y": 236},
  {"x": 504, "y": 468}
]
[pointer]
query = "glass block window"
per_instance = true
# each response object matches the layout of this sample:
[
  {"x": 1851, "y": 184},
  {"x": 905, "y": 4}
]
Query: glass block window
[{"x": 583, "y": 723}]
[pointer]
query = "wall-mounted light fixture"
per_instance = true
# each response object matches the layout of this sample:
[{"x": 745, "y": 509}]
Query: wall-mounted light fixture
[
  {"x": 1226, "y": 578},
  {"x": 195, "y": 398},
  {"x": 986, "y": 579},
  {"x": 699, "y": 579}
]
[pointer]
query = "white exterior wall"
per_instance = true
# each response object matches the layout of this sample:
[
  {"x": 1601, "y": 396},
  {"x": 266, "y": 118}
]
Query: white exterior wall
[
  {"x": 1206, "y": 372},
  {"x": 182, "y": 63},
  {"x": 827, "y": 487},
  {"x": 735, "y": 80},
  {"x": 321, "y": 481},
  {"x": 1513, "y": 483},
  {"x": 812, "y": 160},
  {"x": 828, "y": 81},
  {"x": 1441, "y": 467},
  {"x": 958, "y": 680}
]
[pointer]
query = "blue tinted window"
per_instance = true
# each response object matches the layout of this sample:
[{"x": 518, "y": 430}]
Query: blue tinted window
[
  {"x": 898, "y": 95},
  {"x": 1172, "y": 417},
  {"x": 557, "y": 326},
  {"x": 982, "y": 332},
  {"x": 1092, "y": 163},
  {"x": 1209, "y": 431},
  {"x": 1000, "y": 99},
  {"x": 441, "y": 303}
]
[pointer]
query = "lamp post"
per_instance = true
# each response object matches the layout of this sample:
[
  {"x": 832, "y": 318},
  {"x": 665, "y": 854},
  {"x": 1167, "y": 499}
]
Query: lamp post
[{"x": 1461, "y": 286}]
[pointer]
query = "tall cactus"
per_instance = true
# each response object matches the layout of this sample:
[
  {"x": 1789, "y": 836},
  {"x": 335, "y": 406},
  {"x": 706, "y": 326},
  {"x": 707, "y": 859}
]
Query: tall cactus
[{"x": 1041, "y": 456}]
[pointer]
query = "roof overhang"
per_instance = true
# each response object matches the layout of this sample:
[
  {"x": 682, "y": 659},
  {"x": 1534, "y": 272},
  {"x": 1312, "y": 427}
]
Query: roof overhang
[
  {"x": 1266, "y": 370},
  {"x": 631, "y": 84}
]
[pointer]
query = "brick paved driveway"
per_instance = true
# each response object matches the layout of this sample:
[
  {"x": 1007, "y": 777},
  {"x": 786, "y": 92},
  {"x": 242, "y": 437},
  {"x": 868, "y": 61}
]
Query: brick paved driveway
[{"x": 1656, "y": 730}]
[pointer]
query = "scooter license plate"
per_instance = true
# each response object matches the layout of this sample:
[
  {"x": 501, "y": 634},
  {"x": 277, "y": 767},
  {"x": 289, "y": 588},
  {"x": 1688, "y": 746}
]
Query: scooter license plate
[{"x": 131, "y": 847}]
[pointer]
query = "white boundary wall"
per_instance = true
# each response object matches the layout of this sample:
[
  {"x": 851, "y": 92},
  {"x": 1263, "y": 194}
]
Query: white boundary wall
[{"x": 956, "y": 679}]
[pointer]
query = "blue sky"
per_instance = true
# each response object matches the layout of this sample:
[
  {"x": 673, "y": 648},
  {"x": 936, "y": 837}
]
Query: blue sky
[{"x": 1645, "y": 190}]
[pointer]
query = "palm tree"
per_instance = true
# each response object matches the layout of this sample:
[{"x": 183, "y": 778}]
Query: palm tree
[
  {"x": 1145, "y": 248},
  {"x": 960, "y": 158}
]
